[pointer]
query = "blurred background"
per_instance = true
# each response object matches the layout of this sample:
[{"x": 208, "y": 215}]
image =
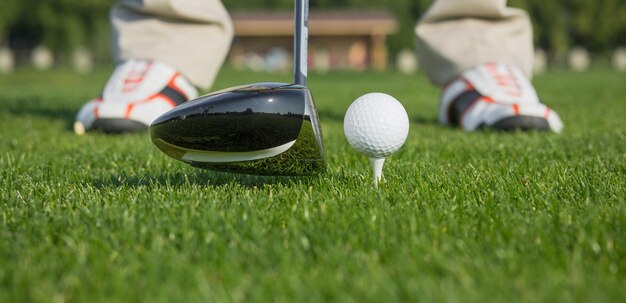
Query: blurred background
[{"x": 345, "y": 34}]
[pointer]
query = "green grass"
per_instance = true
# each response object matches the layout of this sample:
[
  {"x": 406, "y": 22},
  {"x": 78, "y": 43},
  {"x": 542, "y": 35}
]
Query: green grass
[{"x": 520, "y": 217}]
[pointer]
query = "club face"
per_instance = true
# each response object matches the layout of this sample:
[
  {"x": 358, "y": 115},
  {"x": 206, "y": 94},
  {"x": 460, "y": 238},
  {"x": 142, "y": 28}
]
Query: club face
[{"x": 260, "y": 129}]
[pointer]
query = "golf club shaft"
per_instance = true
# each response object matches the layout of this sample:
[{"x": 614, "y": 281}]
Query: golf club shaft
[{"x": 301, "y": 38}]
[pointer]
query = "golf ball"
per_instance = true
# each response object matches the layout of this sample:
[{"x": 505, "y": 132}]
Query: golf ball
[{"x": 376, "y": 125}]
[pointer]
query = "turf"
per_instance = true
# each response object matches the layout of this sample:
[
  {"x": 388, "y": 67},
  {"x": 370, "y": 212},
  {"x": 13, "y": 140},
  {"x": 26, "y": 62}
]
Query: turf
[{"x": 523, "y": 217}]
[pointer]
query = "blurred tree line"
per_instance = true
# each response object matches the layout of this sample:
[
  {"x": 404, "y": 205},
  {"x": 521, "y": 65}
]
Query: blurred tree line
[
  {"x": 61, "y": 25},
  {"x": 64, "y": 25}
]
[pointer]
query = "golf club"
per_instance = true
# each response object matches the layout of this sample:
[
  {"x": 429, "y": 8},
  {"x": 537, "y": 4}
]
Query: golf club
[{"x": 261, "y": 129}]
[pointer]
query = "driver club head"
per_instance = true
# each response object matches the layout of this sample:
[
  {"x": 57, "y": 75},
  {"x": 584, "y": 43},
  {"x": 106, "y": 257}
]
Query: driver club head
[{"x": 258, "y": 129}]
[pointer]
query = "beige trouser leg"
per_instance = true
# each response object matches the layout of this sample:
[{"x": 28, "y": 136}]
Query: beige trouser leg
[
  {"x": 455, "y": 35},
  {"x": 192, "y": 36}
]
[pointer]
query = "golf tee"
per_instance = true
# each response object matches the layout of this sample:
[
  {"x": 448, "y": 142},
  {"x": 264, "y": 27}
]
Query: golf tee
[{"x": 377, "y": 169}]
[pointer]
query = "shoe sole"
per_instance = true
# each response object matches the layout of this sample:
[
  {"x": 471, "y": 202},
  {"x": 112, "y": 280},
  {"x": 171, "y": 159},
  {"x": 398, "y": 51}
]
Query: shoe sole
[
  {"x": 118, "y": 126},
  {"x": 523, "y": 123}
]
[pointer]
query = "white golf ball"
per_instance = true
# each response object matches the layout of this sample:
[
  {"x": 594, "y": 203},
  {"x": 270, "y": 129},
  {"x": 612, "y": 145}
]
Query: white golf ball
[{"x": 376, "y": 125}]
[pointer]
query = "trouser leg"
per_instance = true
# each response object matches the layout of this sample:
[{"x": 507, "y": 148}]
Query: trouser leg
[
  {"x": 193, "y": 36},
  {"x": 454, "y": 35}
]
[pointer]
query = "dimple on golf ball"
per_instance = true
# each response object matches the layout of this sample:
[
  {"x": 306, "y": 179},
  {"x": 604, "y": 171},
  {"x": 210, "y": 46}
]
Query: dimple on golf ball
[{"x": 376, "y": 125}]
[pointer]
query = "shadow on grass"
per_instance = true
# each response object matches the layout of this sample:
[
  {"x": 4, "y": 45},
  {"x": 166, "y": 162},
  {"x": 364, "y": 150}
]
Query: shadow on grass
[
  {"x": 196, "y": 178},
  {"x": 34, "y": 107}
]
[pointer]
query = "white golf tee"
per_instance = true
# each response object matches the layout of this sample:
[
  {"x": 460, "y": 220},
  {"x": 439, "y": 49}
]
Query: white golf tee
[{"x": 377, "y": 169}]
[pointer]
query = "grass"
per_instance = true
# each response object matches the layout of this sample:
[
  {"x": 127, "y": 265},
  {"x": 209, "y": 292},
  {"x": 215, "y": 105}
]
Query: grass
[{"x": 523, "y": 217}]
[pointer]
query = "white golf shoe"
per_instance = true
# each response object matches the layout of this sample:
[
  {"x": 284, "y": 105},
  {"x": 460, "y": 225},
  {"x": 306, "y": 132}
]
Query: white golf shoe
[
  {"x": 495, "y": 96},
  {"x": 137, "y": 93}
]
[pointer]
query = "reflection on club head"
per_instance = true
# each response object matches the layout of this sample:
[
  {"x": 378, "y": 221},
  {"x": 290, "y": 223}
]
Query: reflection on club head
[{"x": 260, "y": 129}]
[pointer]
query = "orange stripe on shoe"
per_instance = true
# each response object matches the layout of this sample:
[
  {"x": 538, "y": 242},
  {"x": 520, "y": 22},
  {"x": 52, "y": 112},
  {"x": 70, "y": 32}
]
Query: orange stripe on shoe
[
  {"x": 149, "y": 99},
  {"x": 488, "y": 99},
  {"x": 516, "y": 109},
  {"x": 172, "y": 84},
  {"x": 468, "y": 84},
  {"x": 157, "y": 95},
  {"x": 547, "y": 114},
  {"x": 129, "y": 108},
  {"x": 168, "y": 99}
]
